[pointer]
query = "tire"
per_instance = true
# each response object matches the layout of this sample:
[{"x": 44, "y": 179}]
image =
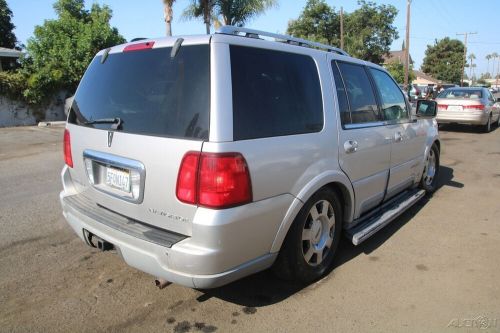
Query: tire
[
  {"x": 311, "y": 243},
  {"x": 487, "y": 127},
  {"x": 431, "y": 170}
]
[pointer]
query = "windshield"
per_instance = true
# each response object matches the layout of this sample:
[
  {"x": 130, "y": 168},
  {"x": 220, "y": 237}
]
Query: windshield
[
  {"x": 149, "y": 92},
  {"x": 461, "y": 93}
]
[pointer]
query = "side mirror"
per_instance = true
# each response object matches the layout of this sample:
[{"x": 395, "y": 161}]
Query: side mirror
[{"x": 426, "y": 108}]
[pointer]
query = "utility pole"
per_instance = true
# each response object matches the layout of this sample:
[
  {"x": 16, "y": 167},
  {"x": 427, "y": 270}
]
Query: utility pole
[
  {"x": 342, "y": 28},
  {"x": 466, "y": 34},
  {"x": 407, "y": 48}
]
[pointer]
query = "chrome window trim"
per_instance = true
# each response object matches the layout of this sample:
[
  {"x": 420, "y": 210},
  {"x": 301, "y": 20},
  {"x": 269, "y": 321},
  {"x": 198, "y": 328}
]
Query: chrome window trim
[
  {"x": 121, "y": 162},
  {"x": 365, "y": 125}
]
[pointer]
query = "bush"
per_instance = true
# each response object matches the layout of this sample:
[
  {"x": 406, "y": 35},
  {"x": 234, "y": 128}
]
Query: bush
[{"x": 13, "y": 84}]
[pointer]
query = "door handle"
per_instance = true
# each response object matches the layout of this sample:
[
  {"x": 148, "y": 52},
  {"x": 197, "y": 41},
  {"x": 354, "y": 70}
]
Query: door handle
[
  {"x": 398, "y": 137},
  {"x": 350, "y": 146}
]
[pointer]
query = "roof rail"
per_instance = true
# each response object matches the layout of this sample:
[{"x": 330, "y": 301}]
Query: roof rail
[{"x": 251, "y": 33}]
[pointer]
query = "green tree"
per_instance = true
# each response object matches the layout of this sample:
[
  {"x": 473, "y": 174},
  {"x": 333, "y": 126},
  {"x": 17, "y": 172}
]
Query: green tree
[
  {"x": 444, "y": 60},
  {"x": 397, "y": 71},
  {"x": 61, "y": 49},
  {"x": 318, "y": 22},
  {"x": 369, "y": 30},
  {"x": 7, "y": 37}
]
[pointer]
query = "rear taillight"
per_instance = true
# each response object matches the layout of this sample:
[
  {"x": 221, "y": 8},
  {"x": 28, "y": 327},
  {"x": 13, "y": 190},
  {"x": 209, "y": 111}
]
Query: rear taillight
[
  {"x": 474, "y": 107},
  {"x": 68, "y": 159},
  {"x": 187, "y": 179},
  {"x": 214, "y": 180},
  {"x": 442, "y": 107}
]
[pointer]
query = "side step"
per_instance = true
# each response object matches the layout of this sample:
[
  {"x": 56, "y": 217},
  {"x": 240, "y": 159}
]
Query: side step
[{"x": 372, "y": 223}]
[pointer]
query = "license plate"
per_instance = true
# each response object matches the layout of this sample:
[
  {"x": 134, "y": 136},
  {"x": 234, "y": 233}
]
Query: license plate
[
  {"x": 119, "y": 179},
  {"x": 455, "y": 108}
]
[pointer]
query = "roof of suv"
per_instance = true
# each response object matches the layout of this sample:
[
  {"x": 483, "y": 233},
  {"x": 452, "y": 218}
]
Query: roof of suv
[{"x": 250, "y": 34}]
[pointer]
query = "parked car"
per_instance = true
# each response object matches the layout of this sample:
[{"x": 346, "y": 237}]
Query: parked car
[
  {"x": 415, "y": 93},
  {"x": 204, "y": 159},
  {"x": 468, "y": 105}
]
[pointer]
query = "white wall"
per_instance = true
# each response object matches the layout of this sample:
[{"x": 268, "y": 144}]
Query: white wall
[{"x": 14, "y": 113}]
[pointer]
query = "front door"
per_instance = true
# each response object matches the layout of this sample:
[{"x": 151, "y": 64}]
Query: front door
[{"x": 408, "y": 136}]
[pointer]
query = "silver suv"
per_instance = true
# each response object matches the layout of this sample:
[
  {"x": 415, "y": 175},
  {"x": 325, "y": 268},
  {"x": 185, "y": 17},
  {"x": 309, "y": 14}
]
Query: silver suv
[{"x": 204, "y": 159}]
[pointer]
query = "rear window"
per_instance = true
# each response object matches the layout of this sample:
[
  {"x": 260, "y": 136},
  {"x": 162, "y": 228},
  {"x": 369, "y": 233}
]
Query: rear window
[
  {"x": 152, "y": 93},
  {"x": 274, "y": 93},
  {"x": 461, "y": 93}
]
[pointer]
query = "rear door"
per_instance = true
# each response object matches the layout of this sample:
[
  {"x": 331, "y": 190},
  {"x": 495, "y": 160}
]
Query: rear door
[
  {"x": 364, "y": 146},
  {"x": 134, "y": 116},
  {"x": 408, "y": 136}
]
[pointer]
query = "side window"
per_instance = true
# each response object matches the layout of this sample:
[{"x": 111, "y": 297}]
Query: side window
[
  {"x": 274, "y": 93},
  {"x": 364, "y": 107},
  {"x": 392, "y": 99},
  {"x": 345, "y": 113}
]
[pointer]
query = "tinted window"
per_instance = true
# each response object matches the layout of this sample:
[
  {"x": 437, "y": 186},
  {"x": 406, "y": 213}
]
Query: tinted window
[
  {"x": 461, "y": 93},
  {"x": 345, "y": 114},
  {"x": 364, "y": 107},
  {"x": 152, "y": 93},
  {"x": 274, "y": 93},
  {"x": 392, "y": 99}
]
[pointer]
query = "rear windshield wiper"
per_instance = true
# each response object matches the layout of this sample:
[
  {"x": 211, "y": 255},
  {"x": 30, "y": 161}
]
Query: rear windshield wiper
[{"x": 117, "y": 122}]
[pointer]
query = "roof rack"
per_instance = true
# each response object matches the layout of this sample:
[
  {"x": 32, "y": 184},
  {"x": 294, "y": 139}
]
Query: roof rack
[{"x": 251, "y": 33}]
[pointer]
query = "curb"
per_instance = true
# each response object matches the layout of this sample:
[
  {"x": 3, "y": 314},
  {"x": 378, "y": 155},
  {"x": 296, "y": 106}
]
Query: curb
[{"x": 51, "y": 123}]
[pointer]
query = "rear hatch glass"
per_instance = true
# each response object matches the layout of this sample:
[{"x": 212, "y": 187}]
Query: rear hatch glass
[{"x": 149, "y": 91}]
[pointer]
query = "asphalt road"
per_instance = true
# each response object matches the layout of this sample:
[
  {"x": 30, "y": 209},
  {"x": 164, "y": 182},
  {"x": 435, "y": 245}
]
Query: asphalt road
[{"x": 434, "y": 269}]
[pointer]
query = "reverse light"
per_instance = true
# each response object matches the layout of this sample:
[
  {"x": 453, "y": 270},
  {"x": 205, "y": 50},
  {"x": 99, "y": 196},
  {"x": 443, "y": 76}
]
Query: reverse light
[
  {"x": 139, "y": 46},
  {"x": 214, "y": 180},
  {"x": 68, "y": 159}
]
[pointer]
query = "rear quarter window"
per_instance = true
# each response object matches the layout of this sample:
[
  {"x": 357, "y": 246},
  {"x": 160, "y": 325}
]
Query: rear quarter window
[{"x": 274, "y": 93}]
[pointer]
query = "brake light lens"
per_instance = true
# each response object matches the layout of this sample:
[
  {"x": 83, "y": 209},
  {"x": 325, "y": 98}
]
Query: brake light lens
[
  {"x": 68, "y": 158},
  {"x": 442, "y": 107},
  {"x": 139, "y": 46},
  {"x": 214, "y": 180},
  {"x": 187, "y": 179},
  {"x": 474, "y": 107}
]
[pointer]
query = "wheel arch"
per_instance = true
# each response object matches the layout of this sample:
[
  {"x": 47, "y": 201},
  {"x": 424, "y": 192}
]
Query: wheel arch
[{"x": 337, "y": 181}]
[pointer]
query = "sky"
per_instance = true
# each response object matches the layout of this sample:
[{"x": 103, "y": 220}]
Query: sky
[{"x": 430, "y": 20}]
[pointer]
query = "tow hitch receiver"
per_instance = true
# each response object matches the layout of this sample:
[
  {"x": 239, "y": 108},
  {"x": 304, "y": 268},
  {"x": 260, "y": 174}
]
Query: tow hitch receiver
[{"x": 97, "y": 242}]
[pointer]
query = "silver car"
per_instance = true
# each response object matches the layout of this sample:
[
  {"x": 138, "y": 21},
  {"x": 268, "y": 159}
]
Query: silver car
[
  {"x": 471, "y": 106},
  {"x": 204, "y": 159}
]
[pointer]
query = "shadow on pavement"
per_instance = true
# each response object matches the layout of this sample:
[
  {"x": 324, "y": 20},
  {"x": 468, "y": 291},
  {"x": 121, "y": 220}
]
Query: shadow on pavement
[
  {"x": 465, "y": 128},
  {"x": 265, "y": 288}
]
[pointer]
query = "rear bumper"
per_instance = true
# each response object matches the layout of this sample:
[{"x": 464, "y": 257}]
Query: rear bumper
[
  {"x": 225, "y": 245},
  {"x": 468, "y": 118}
]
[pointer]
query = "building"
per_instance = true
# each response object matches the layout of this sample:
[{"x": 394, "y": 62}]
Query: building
[
  {"x": 424, "y": 79},
  {"x": 8, "y": 58},
  {"x": 395, "y": 57}
]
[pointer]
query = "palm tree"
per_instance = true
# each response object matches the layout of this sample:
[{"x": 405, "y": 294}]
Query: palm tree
[
  {"x": 201, "y": 9},
  {"x": 168, "y": 15},
  {"x": 238, "y": 12},
  {"x": 488, "y": 57},
  {"x": 494, "y": 55},
  {"x": 471, "y": 57}
]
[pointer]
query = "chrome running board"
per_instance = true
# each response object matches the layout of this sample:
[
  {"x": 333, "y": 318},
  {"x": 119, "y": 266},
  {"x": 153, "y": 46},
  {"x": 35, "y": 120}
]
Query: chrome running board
[{"x": 372, "y": 223}]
